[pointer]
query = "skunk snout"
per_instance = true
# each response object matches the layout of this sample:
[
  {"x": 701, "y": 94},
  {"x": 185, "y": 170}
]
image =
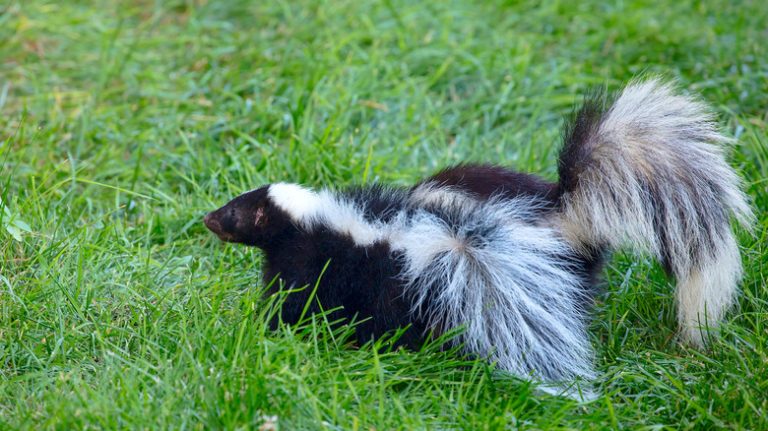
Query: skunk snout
[{"x": 213, "y": 224}]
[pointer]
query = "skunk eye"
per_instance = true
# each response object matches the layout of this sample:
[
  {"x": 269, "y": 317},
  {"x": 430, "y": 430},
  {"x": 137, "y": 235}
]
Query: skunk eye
[{"x": 259, "y": 217}]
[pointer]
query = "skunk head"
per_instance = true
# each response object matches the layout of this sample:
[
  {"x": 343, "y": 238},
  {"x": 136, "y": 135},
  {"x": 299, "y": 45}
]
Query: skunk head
[{"x": 252, "y": 218}]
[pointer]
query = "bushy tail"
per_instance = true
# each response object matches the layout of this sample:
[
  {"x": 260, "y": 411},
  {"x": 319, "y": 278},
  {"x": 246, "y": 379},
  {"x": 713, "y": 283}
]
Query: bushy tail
[{"x": 649, "y": 173}]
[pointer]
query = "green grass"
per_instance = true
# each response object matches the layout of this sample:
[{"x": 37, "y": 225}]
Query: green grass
[{"x": 122, "y": 123}]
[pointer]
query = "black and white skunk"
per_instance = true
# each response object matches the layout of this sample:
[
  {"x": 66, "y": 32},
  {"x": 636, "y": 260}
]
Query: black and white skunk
[{"x": 512, "y": 259}]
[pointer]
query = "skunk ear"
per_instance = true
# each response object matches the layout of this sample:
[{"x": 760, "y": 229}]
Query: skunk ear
[{"x": 260, "y": 218}]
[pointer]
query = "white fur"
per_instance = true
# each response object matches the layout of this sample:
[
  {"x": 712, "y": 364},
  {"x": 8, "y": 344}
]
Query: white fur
[
  {"x": 310, "y": 209},
  {"x": 300, "y": 203},
  {"x": 505, "y": 282},
  {"x": 653, "y": 136},
  {"x": 431, "y": 193},
  {"x": 703, "y": 295},
  {"x": 346, "y": 218}
]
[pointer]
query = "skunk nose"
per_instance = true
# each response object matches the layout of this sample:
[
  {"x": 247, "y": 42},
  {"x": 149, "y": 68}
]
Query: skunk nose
[{"x": 212, "y": 223}]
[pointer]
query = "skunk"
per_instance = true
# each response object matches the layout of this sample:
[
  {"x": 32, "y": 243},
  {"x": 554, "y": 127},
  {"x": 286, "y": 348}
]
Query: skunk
[{"x": 507, "y": 259}]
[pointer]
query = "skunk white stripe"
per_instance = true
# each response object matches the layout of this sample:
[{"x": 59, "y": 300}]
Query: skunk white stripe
[
  {"x": 505, "y": 281},
  {"x": 300, "y": 203},
  {"x": 310, "y": 209},
  {"x": 431, "y": 193},
  {"x": 345, "y": 217}
]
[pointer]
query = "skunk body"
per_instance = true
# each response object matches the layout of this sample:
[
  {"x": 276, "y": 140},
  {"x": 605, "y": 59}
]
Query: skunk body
[{"x": 511, "y": 258}]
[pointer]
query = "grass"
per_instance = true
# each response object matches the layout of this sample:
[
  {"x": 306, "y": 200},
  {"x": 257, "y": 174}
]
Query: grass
[{"x": 122, "y": 123}]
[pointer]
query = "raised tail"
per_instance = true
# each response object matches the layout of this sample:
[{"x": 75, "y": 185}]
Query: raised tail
[{"x": 648, "y": 173}]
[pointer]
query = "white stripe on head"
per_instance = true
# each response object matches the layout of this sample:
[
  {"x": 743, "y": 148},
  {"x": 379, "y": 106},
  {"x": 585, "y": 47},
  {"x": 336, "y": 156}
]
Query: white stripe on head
[
  {"x": 300, "y": 203},
  {"x": 309, "y": 209}
]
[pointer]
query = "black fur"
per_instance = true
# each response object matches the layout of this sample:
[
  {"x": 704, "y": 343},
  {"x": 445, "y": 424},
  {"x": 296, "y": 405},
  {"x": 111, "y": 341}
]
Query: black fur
[
  {"x": 485, "y": 181},
  {"x": 576, "y": 155},
  {"x": 361, "y": 282}
]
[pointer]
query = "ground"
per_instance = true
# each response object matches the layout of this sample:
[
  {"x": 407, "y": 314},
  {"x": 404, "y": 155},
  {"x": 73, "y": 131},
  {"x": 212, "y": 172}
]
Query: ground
[{"x": 123, "y": 123}]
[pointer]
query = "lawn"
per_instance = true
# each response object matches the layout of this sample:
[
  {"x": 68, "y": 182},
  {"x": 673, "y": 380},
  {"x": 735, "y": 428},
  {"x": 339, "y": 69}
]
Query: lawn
[{"x": 123, "y": 122}]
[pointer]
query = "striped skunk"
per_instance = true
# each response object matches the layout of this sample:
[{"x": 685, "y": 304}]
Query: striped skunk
[{"x": 509, "y": 258}]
